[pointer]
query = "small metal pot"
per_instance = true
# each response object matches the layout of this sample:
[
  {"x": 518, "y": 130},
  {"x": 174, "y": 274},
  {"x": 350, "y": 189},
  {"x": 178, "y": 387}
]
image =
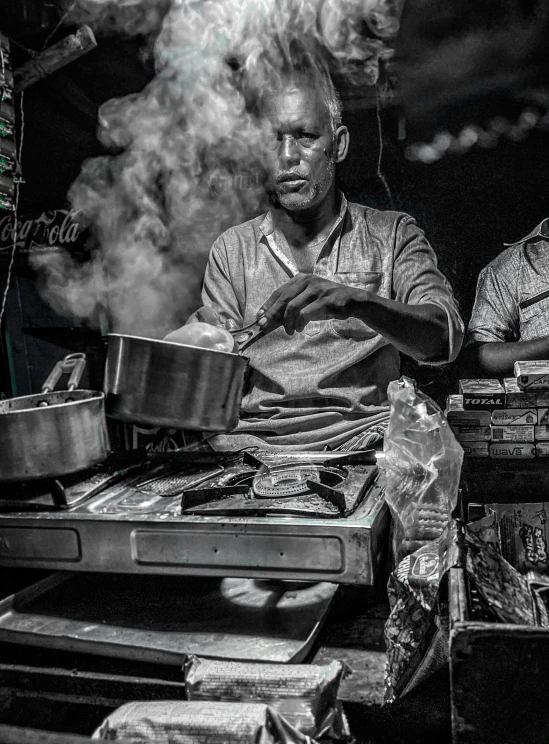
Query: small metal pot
[
  {"x": 53, "y": 433},
  {"x": 160, "y": 383}
]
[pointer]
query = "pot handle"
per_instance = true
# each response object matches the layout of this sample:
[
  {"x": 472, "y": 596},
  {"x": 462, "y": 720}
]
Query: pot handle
[{"x": 73, "y": 363}]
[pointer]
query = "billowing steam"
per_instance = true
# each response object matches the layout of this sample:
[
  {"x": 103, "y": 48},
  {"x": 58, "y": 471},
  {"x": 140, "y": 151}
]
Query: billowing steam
[{"x": 188, "y": 160}]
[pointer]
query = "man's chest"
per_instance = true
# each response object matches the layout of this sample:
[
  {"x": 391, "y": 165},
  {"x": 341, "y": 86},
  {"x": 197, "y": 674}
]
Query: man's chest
[{"x": 351, "y": 262}]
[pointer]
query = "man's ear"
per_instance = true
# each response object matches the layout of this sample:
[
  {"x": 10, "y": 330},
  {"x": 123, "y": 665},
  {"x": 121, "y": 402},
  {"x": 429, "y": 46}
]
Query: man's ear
[{"x": 341, "y": 143}]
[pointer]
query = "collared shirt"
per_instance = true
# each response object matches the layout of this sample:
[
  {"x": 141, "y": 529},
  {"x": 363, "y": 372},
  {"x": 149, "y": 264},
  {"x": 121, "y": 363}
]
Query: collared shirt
[
  {"x": 512, "y": 300},
  {"x": 329, "y": 382}
]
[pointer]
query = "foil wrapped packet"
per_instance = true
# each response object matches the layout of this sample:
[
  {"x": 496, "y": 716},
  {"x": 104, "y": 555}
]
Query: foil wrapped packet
[
  {"x": 204, "y": 722},
  {"x": 305, "y": 695}
]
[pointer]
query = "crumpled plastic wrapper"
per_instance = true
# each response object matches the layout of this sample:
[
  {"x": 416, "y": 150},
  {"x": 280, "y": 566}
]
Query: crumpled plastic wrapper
[
  {"x": 422, "y": 464},
  {"x": 417, "y": 630},
  {"x": 180, "y": 722},
  {"x": 305, "y": 695}
]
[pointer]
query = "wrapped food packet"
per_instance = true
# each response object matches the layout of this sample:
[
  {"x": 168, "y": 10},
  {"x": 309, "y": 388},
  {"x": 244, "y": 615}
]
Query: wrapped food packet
[
  {"x": 305, "y": 695},
  {"x": 423, "y": 466},
  {"x": 171, "y": 721}
]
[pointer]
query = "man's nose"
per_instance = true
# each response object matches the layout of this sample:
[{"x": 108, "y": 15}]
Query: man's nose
[{"x": 289, "y": 151}]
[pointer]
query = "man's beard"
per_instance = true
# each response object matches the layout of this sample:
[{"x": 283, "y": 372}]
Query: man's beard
[{"x": 295, "y": 202}]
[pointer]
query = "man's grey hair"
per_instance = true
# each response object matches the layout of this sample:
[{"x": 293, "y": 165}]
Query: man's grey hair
[
  {"x": 309, "y": 76},
  {"x": 331, "y": 99}
]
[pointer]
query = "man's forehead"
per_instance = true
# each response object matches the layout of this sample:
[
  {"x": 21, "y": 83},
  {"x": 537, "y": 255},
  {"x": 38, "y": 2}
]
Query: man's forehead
[{"x": 293, "y": 101}]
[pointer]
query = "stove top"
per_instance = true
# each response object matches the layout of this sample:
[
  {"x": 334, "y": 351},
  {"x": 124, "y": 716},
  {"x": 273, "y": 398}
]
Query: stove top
[{"x": 312, "y": 516}]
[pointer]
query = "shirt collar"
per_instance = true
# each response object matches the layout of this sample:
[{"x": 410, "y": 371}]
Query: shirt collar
[
  {"x": 541, "y": 231},
  {"x": 267, "y": 226}
]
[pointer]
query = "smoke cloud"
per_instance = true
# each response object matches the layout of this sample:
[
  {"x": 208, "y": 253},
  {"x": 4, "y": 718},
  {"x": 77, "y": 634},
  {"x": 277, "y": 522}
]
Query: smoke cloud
[{"x": 188, "y": 149}]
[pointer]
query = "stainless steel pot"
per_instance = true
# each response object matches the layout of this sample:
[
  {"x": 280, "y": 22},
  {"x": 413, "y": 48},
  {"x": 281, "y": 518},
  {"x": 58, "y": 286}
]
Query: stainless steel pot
[
  {"x": 53, "y": 433},
  {"x": 171, "y": 385}
]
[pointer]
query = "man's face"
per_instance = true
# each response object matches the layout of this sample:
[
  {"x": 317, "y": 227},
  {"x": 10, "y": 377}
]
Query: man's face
[{"x": 301, "y": 154}]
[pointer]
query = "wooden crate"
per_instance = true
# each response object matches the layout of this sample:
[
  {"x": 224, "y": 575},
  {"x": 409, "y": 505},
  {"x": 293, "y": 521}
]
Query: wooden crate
[
  {"x": 499, "y": 673},
  {"x": 499, "y": 676}
]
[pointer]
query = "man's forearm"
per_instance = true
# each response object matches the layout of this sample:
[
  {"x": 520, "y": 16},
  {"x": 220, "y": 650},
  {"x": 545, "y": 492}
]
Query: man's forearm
[
  {"x": 420, "y": 331},
  {"x": 496, "y": 359}
]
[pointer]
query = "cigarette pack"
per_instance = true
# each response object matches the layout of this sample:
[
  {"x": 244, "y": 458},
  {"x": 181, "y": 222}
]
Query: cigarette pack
[
  {"x": 515, "y": 417},
  {"x": 541, "y": 433},
  {"x": 542, "y": 449},
  {"x": 513, "y": 433},
  {"x": 485, "y": 394},
  {"x": 532, "y": 375},
  {"x": 512, "y": 450},
  {"x": 517, "y": 398},
  {"x": 457, "y": 415},
  {"x": 464, "y": 433},
  {"x": 475, "y": 449}
]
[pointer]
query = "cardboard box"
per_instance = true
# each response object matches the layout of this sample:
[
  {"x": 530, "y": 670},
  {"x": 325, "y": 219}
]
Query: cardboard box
[
  {"x": 532, "y": 375},
  {"x": 458, "y": 416},
  {"x": 515, "y": 397},
  {"x": 475, "y": 449},
  {"x": 512, "y": 433},
  {"x": 512, "y": 450},
  {"x": 484, "y": 394},
  {"x": 542, "y": 449},
  {"x": 465, "y": 433},
  {"x": 515, "y": 417},
  {"x": 471, "y": 417},
  {"x": 541, "y": 433}
]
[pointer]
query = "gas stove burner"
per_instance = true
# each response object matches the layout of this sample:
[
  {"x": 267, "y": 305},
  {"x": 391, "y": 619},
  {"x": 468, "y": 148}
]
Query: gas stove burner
[{"x": 287, "y": 480}]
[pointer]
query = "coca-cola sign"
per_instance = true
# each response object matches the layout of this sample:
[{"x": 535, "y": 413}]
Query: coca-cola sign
[{"x": 48, "y": 231}]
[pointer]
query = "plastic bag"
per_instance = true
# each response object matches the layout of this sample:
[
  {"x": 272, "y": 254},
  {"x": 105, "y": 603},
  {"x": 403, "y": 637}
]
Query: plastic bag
[{"x": 422, "y": 463}]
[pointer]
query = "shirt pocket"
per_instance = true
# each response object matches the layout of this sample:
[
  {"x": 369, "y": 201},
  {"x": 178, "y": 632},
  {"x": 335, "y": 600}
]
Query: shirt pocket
[
  {"x": 353, "y": 327},
  {"x": 534, "y": 317}
]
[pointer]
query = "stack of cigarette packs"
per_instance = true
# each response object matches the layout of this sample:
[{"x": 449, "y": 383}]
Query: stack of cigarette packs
[{"x": 503, "y": 420}]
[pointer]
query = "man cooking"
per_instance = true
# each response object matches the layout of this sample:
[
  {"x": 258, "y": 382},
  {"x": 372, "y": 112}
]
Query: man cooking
[
  {"x": 510, "y": 318},
  {"x": 352, "y": 287}
]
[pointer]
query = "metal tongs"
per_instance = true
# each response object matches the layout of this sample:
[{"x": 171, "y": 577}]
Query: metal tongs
[{"x": 244, "y": 337}]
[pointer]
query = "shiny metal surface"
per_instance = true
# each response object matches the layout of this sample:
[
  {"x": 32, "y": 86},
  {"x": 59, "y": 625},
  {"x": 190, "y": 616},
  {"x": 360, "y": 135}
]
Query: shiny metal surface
[
  {"x": 51, "y": 434},
  {"x": 118, "y": 616},
  {"x": 150, "y": 536},
  {"x": 172, "y": 385}
]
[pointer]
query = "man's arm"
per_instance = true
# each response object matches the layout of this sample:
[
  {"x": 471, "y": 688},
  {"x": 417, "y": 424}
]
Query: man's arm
[
  {"x": 496, "y": 359},
  {"x": 491, "y": 345},
  {"x": 421, "y": 321}
]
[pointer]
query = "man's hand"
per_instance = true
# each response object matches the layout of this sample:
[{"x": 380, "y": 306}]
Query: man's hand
[
  {"x": 421, "y": 331},
  {"x": 304, "y": 298}
]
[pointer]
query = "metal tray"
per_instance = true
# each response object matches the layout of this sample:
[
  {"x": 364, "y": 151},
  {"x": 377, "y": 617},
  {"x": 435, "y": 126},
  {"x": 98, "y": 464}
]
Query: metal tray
[{"x": 161, "y": 619}]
